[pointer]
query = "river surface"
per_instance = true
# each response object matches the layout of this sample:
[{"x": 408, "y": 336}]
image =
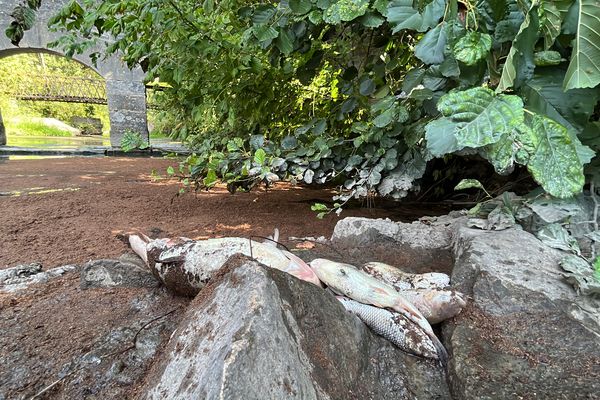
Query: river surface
[{"x": 75, "y": 142}]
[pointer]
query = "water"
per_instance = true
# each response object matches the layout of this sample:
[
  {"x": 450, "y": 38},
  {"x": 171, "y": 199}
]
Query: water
[
  {"x": 82, "y": 143},
  {"x": 56, "y": 142}
]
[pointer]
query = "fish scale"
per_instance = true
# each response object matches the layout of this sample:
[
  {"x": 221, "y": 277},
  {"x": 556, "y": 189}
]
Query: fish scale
[{"x": 394, "y": 327}]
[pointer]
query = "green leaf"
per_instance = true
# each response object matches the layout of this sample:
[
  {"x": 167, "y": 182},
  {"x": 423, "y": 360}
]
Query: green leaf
[
  {"x": 210, "y": 179},
  {"x": 260, "y": 156},
  {"x": 412, "y": 79},
  {"x": 300, "y": 6},
  {"x": 265, "y": 33},
  {"x": 555, "y": 164},
  {"x": 557, "y": 237},
  {"x": 468, "y": 183},
  {"x": 480, "y": 115},
  {"x": 318, "y": 207},
  {"x": 519, "y": 64},
  {"x": 385, "y": 118},
  {"x": 472, "y": 47},
  {"x": 367, "y": 87},
  {"x": 430, "y": 48},
  {"x": 550, "y": 21},
  {"x": 285, "y": 41},
  {"x": 289, "y": 143},
  {"x": 507, "y": 29},
  {"x": 372, "y": 20},
  {"x": 572, "y": 109},
  {"x": 263, "y": 14},
  {"x": 440, "y": 137},
  {"x": 401, "y": 15},
  {"x": 584, "y": 68},
  {"x": 170, "y": 170},
  {"x": 345, "y": 10},
  {"x": 584, "y": 278}
]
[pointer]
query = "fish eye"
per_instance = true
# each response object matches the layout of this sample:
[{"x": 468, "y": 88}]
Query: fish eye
[{"x": 343, "y": 272}]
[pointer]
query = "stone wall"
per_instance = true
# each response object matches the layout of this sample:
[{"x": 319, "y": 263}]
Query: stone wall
[
  {"x": 2, "y": 131},
  {"x": 125, "y": 89}
]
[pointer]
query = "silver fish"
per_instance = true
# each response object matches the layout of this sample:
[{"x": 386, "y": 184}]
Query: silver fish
[
  {"x": 358, "y": 285},
  {"x": 394, "y": 327},
  {"x": 405, "y": 281},
  {"x": 436, "y": 305},
  {"x": 185, "y": 266},
  {"x": 424, "y": 291}
]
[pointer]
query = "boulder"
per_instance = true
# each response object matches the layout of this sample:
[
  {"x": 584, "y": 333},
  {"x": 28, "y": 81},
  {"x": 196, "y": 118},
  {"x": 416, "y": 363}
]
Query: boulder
[
  {"x": 257, "y": 333},
  {"x": 526, "y": 334},
  {"x": 418, "y": 247},
  {"x": 111, "y": 273}
]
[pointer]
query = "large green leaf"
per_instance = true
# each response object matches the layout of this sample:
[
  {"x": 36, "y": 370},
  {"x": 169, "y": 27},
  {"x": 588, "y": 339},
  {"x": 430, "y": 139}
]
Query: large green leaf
[
  {"x": 472, "y": 47},
  {"x": 300, "y": 6},
  {"x": 401, "y": 15},
  {"x": 345, "y": 10},
  {"x": 520, "y": 64},
  {"x": 572, "y": 109},
  {"x": 430, "y": 48},
  {"x": 481, "y": 116},
  {"x": 492, "y": 11},
  {"x": 555, "y": 164},
  {"x": 584, "y": 69},
  {"x": 440, "y": 137},
  {"x": 507, "y": 29},
  {"x": 516, "y": 146},
  {"x": 550, "y": 22}
]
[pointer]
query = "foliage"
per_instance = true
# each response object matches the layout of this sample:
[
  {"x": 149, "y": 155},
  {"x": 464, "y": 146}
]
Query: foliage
[
  {"x": 25, "y": 67},
  {"x": 133, "y": 141},
  {"x": 362, "y": 93}
]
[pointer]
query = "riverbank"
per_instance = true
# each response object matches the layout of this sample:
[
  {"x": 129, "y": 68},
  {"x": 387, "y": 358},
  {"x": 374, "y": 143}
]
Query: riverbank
[{"x": 69, "y": 210}]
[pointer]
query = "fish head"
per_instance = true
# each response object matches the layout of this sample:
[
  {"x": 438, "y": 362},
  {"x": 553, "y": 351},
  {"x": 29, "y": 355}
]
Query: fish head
[{"x": 331, "y": 271}]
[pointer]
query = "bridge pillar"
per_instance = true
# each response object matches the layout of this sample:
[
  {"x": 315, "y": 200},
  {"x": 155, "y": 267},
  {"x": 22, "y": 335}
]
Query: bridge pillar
[
  {"x": 2, "y": 131},
  {"x": 126, "y": 109}
]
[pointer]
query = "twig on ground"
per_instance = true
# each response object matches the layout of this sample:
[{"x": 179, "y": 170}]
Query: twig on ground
[{"x": 132, "y": 346}]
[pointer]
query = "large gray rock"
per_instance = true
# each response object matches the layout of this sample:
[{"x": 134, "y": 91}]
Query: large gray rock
[
  {"x": 258, "y": 333},
  {"x": 526, "y": 335},
  {"x": 112, "y": 273},
  {"x": 418, "y": 247}
]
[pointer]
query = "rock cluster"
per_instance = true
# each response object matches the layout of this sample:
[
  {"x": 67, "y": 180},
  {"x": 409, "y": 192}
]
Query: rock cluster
[{"x": 258, "y": 333}]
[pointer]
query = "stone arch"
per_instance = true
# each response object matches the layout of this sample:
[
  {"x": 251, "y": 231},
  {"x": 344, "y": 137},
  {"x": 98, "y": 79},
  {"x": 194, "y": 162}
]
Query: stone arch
[{"x": 125, "y": 89}]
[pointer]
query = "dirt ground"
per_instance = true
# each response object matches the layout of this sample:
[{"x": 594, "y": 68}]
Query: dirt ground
[
  {"x": 69, "y": 210},
  {"x": 102, "y": 197}
]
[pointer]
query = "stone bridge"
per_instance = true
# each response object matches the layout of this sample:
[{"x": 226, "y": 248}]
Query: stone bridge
[{"x": 125, "y": 90}]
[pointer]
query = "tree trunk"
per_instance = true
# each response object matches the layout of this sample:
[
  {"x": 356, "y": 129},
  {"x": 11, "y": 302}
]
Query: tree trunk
[{"x": 2, "y": 131}]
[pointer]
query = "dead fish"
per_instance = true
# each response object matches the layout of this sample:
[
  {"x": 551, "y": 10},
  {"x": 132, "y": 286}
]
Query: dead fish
[
  {"x": 436, "y": 305},
  {"x": 185, "y": 266},
  {"x": 347, "y": 280},
  {"x": 394, "y": 327},
  {"x": 424, "y": 291},
  {"x": 404, "y": 281}
]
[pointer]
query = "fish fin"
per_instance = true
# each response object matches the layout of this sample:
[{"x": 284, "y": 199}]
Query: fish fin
[{"x": 276, "y": 235}]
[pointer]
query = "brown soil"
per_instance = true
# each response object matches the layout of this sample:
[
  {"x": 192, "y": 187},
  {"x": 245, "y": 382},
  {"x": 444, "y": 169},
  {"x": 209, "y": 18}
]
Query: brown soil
[
  {"x": 70, "y": 210},
  {"x": 102, "y": 197}
]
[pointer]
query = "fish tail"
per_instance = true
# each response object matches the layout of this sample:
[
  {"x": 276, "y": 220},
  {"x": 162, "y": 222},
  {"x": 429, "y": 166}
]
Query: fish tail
[
  {"x": 138, "y": 245},
  {"x": 413, "y": 314}
]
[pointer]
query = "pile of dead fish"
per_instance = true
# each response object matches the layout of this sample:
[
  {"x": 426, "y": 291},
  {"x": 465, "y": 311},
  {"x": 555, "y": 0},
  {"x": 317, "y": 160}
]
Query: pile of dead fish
[{"x": 396, "y": 305}]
